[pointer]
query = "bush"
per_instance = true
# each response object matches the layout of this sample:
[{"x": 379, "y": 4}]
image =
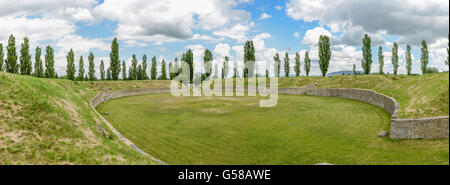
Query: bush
[{"x": 432, "y": 70}]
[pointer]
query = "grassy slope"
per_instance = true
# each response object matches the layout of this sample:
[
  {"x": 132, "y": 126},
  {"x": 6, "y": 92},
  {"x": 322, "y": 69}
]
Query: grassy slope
[
  {"x": 234, "y": 130},
  {"x": 418, "y": 96},
  {"x": 49, "y": 121}
]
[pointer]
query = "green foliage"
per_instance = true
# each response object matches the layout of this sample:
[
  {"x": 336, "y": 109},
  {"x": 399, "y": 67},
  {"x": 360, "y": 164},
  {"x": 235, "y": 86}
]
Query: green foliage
[
  {"x": 163, "y": 70},
  {"x": 225, "y": 68},
  {"x": 115, "y": 61},
  {"x": 133, "y": 70},
  {"x": 249, "y": 59},
  {"x": 171, "y": 71},
  {"x": 81, "y": 69},
  {"x": 297, "y": 66},
  {"x": 91, "y": 67},
  {"x": 307, "y": 64},
  {"x": 235, "y": 70},
  {"x": 286, "y": 65},
  {"x": 395, "y": 57},
  {"x": 216, "y": 71},
  {"x": 366, "y": 61},
  {"x": 448, "y": 52},
  {"x": 139, "y": 72},
  {"x": 70, "y": 71},
  {"x": 49, "y": 62},
  {"x": 11, "y": 56},
  {"x": 324, "y": 54},
  {"x": 38, "y": 67},
  {"x": 207, "y": 59},
  {"x": 276, "y": 66},
  {"x": 1, "y": 57},
  {"x": 354, "y": 69},
  {"x": 424, "y": 57},
  {"x": 153, "y": 70},
  {"x": 408, "y": 59},
  {"x": 124, "y": 70},
  {"x": 108, "y": 74},
  {"x": 102, "y": 70},
  {"x": 432, "y": 70},
  {"x": 188, "y": 57},
  {"x": 25, "y": 58},
  {"x": 380, "y": 59},
  {"x": 144, "y": 67}
]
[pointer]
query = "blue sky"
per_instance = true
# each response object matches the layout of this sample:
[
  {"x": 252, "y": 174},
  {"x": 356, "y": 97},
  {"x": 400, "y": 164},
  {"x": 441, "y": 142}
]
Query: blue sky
[{"x": 165, "y": 28}]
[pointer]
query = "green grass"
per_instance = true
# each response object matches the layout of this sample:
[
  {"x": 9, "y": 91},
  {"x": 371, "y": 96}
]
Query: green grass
[
  {"x": 419, "y": 96},
  {"x": 49, "y": 121},
  {"x": 234, "y": 130}
]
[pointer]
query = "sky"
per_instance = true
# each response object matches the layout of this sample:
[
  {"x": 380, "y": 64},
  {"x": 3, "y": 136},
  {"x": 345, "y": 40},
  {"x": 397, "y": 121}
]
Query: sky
[{"x": 166, "y": 28}]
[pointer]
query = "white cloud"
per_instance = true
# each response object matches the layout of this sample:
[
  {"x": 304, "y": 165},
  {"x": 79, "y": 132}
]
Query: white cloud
[
  {"x": 414, "y": 21},
  {"x": 238, "y": 32},
  {"x": 296, "y": 35},
  {"x": 169, "y": 20},
  {"x": 278, "y": 7},
  {"x": 312, "y": 36},
  {"x": 264, "y": 16},
  {"x": 79, "y": 14},
  {"x": 222, "y": 50}
]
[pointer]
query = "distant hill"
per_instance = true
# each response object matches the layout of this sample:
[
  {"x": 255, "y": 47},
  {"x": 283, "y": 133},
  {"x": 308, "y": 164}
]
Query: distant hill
[{"x": 347, "y": 72}]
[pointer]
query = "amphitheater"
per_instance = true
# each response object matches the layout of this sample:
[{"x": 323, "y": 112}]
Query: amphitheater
[{"x": 424, "y": 128}]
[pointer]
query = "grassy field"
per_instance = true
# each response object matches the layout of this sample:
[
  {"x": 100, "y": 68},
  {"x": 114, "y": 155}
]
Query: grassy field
[
  {"x": 419, "y": 96},
  {"x": 49, "y": 121},
  {"x": 234, "y": 130}
]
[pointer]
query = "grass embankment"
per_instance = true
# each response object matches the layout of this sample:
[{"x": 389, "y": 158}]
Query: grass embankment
[
  {"x": 235, "y": 130},
  {"x": 49, "y": 121},
  {"x": 419, "y": 96}
]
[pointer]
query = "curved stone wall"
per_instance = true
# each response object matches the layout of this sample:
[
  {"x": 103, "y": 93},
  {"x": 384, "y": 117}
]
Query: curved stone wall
[{"x": 427, "y": 128}]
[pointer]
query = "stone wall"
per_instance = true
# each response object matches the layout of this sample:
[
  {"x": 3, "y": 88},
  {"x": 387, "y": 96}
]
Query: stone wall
[
  {"x": 426, "y": 128},
  {"x": 368, "y": 96}
]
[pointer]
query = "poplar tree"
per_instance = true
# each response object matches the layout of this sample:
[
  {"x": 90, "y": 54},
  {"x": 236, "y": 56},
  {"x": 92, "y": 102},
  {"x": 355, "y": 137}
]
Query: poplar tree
[
  {"x": 380, "y": 59},
  {"x": 207, "y": 59},
  {"x": 297, "y": 64},
  {"x": 133, "y": 71},
  {"x": 366, "y": 61},
  {"x": 1, "y": 57},
  {"x": 235, "y": 71},
  {"x": 446, "y": 62},
  {"x": 91, "y": 72},
  {"x": 276, "y": 66},
  {"x": 286, "y": 65},
  {"x": 124, "y": 70},
  {"x": 49, "y": 62},
  {"x": 38, "y": 67},
  {"x": 153, "y": 70},
  {"x": 115, "y": 61},
  {"x": 408, "y": 59},
  {"x": 25, "y": 58},
  {"x": 144, "y": 67},
  {"x": 70, "y": 71},
  {"x": 225, "y": 68},
  {"x": 11, "y": 56},
  {"x": 163, "y": 70},
  {"x": 139, "y": 72},
  {"x": 324, "y": 54},
  {"x": 424, "y": 57},
  {"x": 354, "y": 69},
  {"x": 102, "y": 70},
  {"x": 108, "y": 74},
  {"x": 189, "y": 59},
  {"x": 171, "y": 71},
  {"x": 395, "y": 57},
  {"x": 307, "y": 64},
  {"x": 249, "y": 59},
  {"x": 81, "y": 69}
]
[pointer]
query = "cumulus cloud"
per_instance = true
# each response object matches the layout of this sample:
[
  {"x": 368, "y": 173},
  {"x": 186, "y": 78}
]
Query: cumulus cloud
[
  {"x": 264, "y": 16},
  {"x": 222, "y": 50},
  {"x": 296, "y": 35},
  {"x": 238, "y": 32},
  {"x": 170, "y": 19},
  {"x": 414, "y": 21}
]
